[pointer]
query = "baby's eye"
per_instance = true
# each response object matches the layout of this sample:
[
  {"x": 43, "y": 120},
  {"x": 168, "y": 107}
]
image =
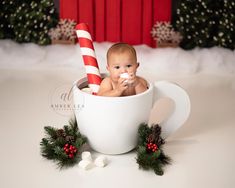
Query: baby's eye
[
  {"x": 129, "y": 66},
  {"x": 117, "y": 67}
]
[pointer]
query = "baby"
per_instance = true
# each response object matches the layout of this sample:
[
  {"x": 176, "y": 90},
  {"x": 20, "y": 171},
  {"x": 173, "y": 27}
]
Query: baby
[{"x": 122, "y": 66}]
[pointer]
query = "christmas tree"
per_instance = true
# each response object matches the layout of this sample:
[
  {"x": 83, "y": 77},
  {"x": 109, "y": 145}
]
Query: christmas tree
[
  {"x": 6, "y": 29},
  {"x": 206, "y": 23},
  {"x": 27, "y": 21}
]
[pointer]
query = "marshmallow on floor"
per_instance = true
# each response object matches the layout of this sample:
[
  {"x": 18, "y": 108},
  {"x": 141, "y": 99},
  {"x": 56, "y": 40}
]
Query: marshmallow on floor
[
  {"x": 101, "y": 161},
  {"x": 86, "y": 155},
  {"x": 85, "y": 165}
]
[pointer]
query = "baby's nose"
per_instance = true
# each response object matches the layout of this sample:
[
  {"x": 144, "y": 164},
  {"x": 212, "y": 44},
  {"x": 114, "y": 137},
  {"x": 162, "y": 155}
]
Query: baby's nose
[{"x": 123, "y": 70}]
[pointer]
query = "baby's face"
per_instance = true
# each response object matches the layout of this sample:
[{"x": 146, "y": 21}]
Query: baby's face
[{"x": 119, "y": 63}]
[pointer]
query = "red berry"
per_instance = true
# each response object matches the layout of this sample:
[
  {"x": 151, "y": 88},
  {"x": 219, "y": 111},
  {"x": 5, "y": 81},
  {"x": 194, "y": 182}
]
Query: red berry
[{"x": 70, "y": 156}]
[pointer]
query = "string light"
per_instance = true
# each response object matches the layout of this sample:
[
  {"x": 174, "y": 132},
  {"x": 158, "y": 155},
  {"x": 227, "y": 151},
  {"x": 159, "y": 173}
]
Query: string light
[{"x": 209, "y": 21}]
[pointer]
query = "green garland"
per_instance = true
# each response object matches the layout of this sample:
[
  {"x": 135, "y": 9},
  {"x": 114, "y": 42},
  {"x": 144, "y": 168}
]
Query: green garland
[
  {"x": 150, "y": 153},
  {"x": 63, "y": 145}
]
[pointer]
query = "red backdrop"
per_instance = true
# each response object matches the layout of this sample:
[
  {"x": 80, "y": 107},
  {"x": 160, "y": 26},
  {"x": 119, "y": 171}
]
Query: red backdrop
[{"x": 118, "y": 20}]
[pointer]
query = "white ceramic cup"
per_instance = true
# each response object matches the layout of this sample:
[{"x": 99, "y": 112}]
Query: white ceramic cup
[{"x": 111, "y": 123}]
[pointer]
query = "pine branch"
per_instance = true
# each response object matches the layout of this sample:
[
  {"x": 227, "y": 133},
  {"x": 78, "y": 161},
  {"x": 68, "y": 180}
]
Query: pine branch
[
  {"x": 51, "y": 132},
  {"x": 148, "y": 159},
  {"x": 56, "y": 145}
]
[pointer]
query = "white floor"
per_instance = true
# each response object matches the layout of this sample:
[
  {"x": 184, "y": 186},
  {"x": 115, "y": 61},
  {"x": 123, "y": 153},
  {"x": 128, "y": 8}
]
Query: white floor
[{"x": 202, "y": 150}]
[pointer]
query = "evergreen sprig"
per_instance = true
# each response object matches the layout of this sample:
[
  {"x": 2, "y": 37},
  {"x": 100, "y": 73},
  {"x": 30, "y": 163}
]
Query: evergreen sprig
[
  {"x": 53, "y": 146},
  {"x": 149, "y": 158}
]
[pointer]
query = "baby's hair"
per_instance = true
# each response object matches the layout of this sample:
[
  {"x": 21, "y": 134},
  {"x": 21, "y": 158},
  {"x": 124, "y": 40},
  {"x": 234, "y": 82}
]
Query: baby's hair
[{"x": 120, "y": 48}]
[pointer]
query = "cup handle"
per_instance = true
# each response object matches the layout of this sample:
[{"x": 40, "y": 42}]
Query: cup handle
[
  {"x": 178, "y": 111},
  {"x": 161, "y": 110}
]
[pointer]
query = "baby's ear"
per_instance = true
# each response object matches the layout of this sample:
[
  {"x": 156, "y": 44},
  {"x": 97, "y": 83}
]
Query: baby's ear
[
  {"x": 138, "y": 64},
  {"x": 108, "y": 68}
]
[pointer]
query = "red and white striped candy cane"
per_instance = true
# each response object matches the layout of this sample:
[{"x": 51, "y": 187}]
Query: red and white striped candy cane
[{"x": 89, "y": 57}]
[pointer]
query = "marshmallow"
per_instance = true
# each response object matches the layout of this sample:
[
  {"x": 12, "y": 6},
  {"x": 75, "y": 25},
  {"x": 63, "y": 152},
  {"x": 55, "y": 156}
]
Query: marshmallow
[
  {"x": 87, "y": 90},
  {"x": 101, "y": 161},
  {"x": 86, "y": 155},
  {"x": 85, "y": 165},
  {"x": 124, "y": 75}
]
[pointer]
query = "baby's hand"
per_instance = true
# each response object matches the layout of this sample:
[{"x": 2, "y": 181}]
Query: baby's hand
[
  {"x": 132, "y": 80},
  {"x": 122, "y": 85}
]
